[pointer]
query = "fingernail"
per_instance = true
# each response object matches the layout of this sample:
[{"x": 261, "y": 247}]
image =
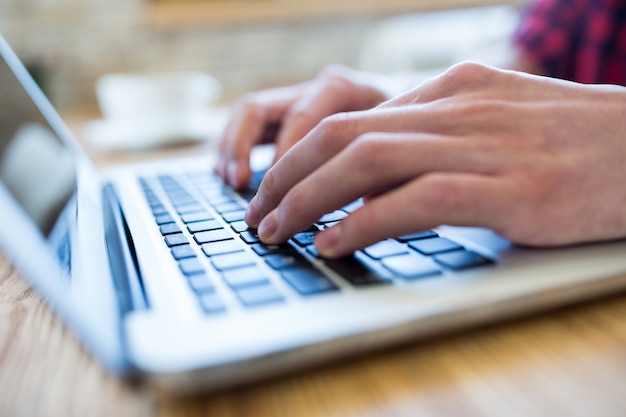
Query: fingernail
[
  {"x": 268, "y": 227},
  {"x": 327, "y": 241},
  {"x": 252, "y": 213}
]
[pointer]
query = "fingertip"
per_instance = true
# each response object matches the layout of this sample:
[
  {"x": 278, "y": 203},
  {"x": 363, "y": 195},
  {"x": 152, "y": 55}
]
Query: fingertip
[
  {"x": 327, "y": 242},
  {"x": 252, "y": 214},
  {"x": 268, "y": 227}
]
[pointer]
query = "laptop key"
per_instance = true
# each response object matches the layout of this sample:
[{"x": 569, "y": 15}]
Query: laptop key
[
  {"x": 158, "y": 210},
  {"x": 234, "y": 216},
  {"x": 176, "y": 239},
  {"x": 335, "y": 216},
  {"x": 285, "y": 260},
  {"x": 221, "y": 247},
  {"x": 305, "y": 238},
  {"x": 196, "y": 216},
  {"x": 386, "y": 248},
  {"x": 307, "y": 280},
  {"x": 434, "y": 245},
  {"x": 201, "y": 284},
  {"x": 259, "y": 295},
  {"x": 250, "y": 237},
  {"x": 169, "y": 228},
  {"x": 183, "y": 251},
  {"x": 232, "y": 260},
  {"x": 245, "y": 277},
  {"x": 163, "y": 218},
  {"x": 203, "y": 226},
  {"x": 187, "y": 208},
  {"x": 226, "y": 207},
  {"x": 240, "y": 226},
  {"x": 411, "y": 266},
  {"x": 191, "y": 266},
  {"x": 461, "y": 259},
  {"x": 418, "y": 235},
  {"x": 211, "y": 236},
  {"x": 211, "y": 304}
]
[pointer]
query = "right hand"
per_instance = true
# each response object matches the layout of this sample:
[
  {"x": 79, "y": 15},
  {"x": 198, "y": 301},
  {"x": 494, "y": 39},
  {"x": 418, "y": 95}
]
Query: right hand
[{"x": 285, "y": 115}]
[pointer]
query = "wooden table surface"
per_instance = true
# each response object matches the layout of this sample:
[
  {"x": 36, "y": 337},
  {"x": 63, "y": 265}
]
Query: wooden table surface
[{"x": 569, "y": 362}]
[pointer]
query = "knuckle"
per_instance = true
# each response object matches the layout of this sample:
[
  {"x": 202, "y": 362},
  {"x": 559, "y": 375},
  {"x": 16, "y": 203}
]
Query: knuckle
[
  {"x": 367, "y": 148},
  {"x": 466, "y": 74}
]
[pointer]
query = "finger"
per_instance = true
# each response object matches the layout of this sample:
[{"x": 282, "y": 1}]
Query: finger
[
  {"x": 248, "y": 126},
  {"x": 456, "y": 199},
  {"x": 364, "y": 168},
  {"x": 337, "y": 89}
]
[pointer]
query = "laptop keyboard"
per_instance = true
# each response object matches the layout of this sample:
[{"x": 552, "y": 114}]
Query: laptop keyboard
[{"x": 200, "y": 217}]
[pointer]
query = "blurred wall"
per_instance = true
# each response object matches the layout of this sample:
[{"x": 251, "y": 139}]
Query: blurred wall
[{"x": 69, "y": 43}]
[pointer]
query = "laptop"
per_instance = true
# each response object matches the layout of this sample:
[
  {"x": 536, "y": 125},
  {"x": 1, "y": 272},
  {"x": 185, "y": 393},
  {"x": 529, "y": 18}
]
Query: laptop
[{"x": 153, "y": 268}]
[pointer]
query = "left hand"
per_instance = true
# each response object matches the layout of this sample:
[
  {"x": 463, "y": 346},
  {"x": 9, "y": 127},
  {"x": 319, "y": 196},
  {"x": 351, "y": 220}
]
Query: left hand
[{"x": 540, "y": 161}]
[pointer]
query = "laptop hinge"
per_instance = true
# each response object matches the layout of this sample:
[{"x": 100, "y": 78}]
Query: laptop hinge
[{"x": 122, "y": 255}]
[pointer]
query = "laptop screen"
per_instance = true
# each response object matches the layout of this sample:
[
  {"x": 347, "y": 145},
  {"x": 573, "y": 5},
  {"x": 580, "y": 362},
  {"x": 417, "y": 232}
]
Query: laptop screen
[{"x": 34, "y": 165}]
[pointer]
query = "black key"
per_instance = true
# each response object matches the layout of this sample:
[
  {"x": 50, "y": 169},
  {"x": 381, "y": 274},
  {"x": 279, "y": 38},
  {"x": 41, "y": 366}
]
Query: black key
[
  {"x": 285, "y": 260},
  {"x": 221, "y": 247},
  {"x": 211, "y": 304},
  {"x": 176, "y": 239},
  {"x": 305, "y": 238},
  {"x": 259, "y": 295},
  {"x": 201, "y": 284},
  {"x": 418, "y": 235},
  {"x": 386, "y": 248},
  {"x": 461, "y": 259},
  {"x": 203, "y": 226},
  {"x": 191, "y": 266},
  {"x": 196, "y": 216},
  {"x": 232, "y": 260},
  {"x": 245, "y": 277},
  {"x": 411, "y": 266},
  {"x": 183, "y": 251},
  {"x": 434, "y": 245},
  {"x": 169, "y": 228},
  {"x": 234, "y": 216},
  {"x": 211, "y": 236},
  {"x": 307, "y": 281},
  {"x": 163, "y": 218},
  {"x": 250, "y": 237},
  {"x": 355, "y": 271},
  {"x": 262, "y": 249}
]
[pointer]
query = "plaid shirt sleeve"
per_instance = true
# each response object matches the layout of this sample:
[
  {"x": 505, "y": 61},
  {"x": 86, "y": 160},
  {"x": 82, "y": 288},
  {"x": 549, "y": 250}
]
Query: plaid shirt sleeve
[{"x": 578, "y": 40}]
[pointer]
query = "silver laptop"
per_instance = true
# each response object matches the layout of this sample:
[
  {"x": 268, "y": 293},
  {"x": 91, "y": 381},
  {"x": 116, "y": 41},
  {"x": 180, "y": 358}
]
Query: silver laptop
[{"x": 154, "y": 270}]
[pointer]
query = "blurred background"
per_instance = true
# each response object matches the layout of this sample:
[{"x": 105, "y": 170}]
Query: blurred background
[{"x": 245, "y": 44}]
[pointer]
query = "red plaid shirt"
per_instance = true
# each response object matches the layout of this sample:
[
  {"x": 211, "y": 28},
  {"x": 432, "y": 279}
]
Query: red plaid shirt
[{"x": 578, "y": 40}]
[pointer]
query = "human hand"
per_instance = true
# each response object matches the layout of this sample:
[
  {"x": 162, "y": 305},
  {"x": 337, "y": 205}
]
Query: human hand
[
  {"x": 287, "y": 114},
  {"x": 538, "y": 160}
]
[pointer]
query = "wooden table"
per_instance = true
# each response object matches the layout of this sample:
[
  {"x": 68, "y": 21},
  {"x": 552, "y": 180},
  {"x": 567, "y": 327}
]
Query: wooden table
[{"x": 570, "y": 362}]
